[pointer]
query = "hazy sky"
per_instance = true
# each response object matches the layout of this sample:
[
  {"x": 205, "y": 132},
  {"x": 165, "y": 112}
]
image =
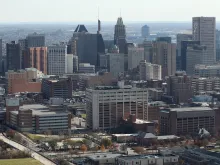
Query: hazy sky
[{"x": 86, "y": 10}]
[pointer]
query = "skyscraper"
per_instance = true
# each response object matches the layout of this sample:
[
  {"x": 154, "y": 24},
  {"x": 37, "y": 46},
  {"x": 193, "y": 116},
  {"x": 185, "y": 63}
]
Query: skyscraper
[
  {"x": 56, "y": 57},
  {"x": 86, "y": 45},
  {"x": 135, "y": 55},
  {"x": 38, "y": 58},
  {"x": 217, "y": 45},
  {"x": 145, "y": 31},
  {"x": 35, "y": 40},
  {"x": 13, "y": 53},
  {"x": 164, "y": 54},
  {"x": 204, "y": 30},
  {"x": 120, "y": 35}
]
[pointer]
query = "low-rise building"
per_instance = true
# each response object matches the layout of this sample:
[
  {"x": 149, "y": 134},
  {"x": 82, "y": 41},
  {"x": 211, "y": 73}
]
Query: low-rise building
[
  {"x": 38, "y": 118},
  {"x": 86, "y": 68},
  {"x": 102, "y": 159},
  {"x": 207, "y": 70},
  {"x": 186, "y": 121}
]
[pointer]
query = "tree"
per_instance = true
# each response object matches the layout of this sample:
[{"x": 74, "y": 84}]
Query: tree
[
  {"x": 106, "y": 142},
  {"x": 138, "y": 150},
  {"x": 83, "y": 148},
  {"x": 123, "y": 147},
  {"x": 61, "y": 161},
  {"x": 52, "y": 144},
  {"x": 71, "y": 143},
  {"x": 65, "y": 145},
  {"x": 102, "y": 148},
  {"x": 88, "y": 143},
  {"x": 205, "y": 142},
  {"x": 10, "y": 133}
]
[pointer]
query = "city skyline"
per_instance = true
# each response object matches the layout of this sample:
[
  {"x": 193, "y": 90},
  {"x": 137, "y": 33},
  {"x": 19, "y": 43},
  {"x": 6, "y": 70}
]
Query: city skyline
[{"x": 87, "y": 11}]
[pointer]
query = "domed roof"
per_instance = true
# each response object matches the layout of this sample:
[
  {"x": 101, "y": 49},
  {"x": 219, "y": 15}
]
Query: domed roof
[{"x": 114, "y": 49}]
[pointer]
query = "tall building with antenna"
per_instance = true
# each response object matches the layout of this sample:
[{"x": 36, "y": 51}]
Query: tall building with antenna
[{"x": 120, "y": 35}]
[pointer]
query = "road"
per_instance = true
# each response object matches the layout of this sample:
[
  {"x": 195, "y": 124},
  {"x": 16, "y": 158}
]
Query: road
[{"x": 35, "y": 155}]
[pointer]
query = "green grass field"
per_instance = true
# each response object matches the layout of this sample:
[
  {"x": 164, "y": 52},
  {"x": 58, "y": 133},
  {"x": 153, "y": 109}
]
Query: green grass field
[
  {"x": 27, "y": 161},
  {"x": 34, "y": 137}
]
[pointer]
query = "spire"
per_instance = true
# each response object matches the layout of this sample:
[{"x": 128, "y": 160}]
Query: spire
[{"x": 99, "y": 23}]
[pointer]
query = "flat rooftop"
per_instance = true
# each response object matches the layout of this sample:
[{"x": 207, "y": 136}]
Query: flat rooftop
[
  {"x": 103, "y": 156},
  {"x": 188, "y": 109},
  {"x": 155, "y": 156}
]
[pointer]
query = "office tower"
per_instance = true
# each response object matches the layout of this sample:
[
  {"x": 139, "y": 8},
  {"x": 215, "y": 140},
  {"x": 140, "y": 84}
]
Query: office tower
[
  {"x": 13, "y": 53},
  {"x": 1, "y": 67},
  {"x": 86, "y": 68},
  {"x": 179, "y": 86},
  {"x": 120, "y": 35},
  {"x": 25, "y": 57},
  {"x": 186, "y": 121},
  {"x": 135, "y": 55},
  {"x": 22, "y": 81},
  {"x": 38, "y": 58},
  {"x": 75, "y": 63},
  {"x": 164, "y": 39},
  {"x": 86, "y": 45},
  {"x": 69, "y": 63},
  {"x": 217, "y": 45},
  {"x": 35, "y": 40},
  {"x": 204, "y": 30},
  {"x": 148, "y": 50},
  {"x": 56, "y": 58},
  {"x": 207, "y": 70},
  {"x": 164, "y": 54},
  {"x": 145, "y": 31},
  {"x": 184, "y": 47},
  {"x": 57, "y": 87},
  {"x": 106, "y": 106},
  {"x": 149, "y": 71},
  {"x": 180, "y": 38},
  {"x": 194, "y": 56}
]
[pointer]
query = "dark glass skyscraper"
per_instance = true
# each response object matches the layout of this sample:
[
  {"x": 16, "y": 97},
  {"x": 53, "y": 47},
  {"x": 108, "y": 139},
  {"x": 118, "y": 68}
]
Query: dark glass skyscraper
[
  {"x": 13, "y": 56},
  {"x": 88, "y": 45},
  {"x": 120, "y": 35}
]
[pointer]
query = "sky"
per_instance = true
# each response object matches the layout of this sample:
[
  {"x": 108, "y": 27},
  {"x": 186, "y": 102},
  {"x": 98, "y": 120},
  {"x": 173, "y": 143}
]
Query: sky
[{"x": 87, "y": 10}]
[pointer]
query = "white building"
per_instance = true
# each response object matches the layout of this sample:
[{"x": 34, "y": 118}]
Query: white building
[
  {"x": 150, "y": 71},
  {"x": 69, "y": 63},
  {"x": 204, "y": 30},
  {"x": 115, "y": 63},
  {"x": 56, "y": 59},
  {"x": 135, "y": 55},
  {"x": 194, "y": 56},
  {"x": 86, "y": 68},
  {"x": 107, "y": 105},
  {"x": 207, "y": 70}
]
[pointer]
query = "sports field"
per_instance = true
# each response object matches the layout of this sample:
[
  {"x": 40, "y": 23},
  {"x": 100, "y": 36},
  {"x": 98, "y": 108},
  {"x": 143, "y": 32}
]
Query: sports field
[{"x": 26, "y": 161}]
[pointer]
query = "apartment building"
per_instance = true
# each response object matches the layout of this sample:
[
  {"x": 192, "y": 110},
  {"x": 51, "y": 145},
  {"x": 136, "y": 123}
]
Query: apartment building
[{"x": 207, "y": 70}]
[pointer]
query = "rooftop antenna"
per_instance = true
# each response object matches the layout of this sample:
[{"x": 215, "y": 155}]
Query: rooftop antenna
[
  {"x": 99, "y": 23},
  {"x": 120, "y": 12}
]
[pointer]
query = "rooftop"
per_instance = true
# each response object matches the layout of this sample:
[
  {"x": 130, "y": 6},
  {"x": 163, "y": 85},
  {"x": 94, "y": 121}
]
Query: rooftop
[
  {"x": 187, "y": 109},
  {"x": 155, "y": 156},
  {"x": 103, "y": 156}
]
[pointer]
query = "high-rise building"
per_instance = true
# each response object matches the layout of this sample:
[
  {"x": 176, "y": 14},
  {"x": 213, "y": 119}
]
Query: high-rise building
[
  {"x": 86, "y": 68},
  {"x": 164, "y": 54},
  {"x": 217, "y": 45},
  {"x": 86, "y": 45},
  {"x": 149, "y": 71},
  {"x": 194, "y": 56},
  {"x": 56, "y": 58},
  {"x": 204, "y": 30},
  {"x": 75, "y": 63},
  {"x": 106, "y": 106},
  {"x": 57, "y": 87},
  {"x": 120, "y": 35},
  {"x": 180, "y": 38},
  {"x": 179, "y": 86},
  {"x": 186, "y": 121},
  {"x": 38, "y": 58},
  {"x": 35, "y": 40},
  {"x": 184, "y": 47},
  {"x": 148, "y": 50},
  {"x": 69, "y": 63},
  {"x": 13, "y": 56},
  {"x": 115, "y": 63},
  {"x": 135, "y": 55},
  {"x": 145, "y": 31},
  {"x": 23, "y": 81},
  {"x": 25, "y": 57}
]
